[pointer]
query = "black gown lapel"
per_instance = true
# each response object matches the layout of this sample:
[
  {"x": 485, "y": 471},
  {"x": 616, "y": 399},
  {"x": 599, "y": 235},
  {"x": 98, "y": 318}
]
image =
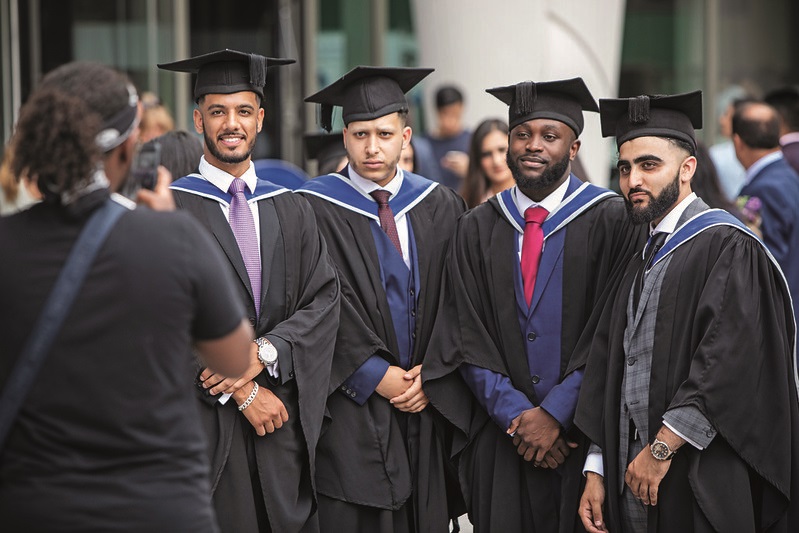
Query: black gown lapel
[
  {"x": 364, "y": 242},
  {"x": 501, "y": 256},
  {"x": 220, "y": 228},
  {"x": 270, "y": 229}
]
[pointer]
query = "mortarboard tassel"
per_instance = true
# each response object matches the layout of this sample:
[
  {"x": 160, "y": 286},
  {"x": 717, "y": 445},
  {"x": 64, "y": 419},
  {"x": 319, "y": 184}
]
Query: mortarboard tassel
[
  {"x": 326, "y": 117},
  {"x": 257, "y": 70},
  {"x": 525, "y": 97},
  {"x": 639, "y": 110}
]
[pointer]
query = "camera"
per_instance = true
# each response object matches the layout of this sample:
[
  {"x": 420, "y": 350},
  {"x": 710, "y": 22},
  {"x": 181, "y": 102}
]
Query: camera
[{"x": 144, "y": 171}]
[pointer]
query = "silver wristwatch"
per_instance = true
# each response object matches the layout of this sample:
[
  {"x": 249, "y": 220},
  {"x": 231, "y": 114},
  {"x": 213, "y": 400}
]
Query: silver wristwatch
[
  {"x": 661, "y": 451},
  {"x": 267, "y": 353}
]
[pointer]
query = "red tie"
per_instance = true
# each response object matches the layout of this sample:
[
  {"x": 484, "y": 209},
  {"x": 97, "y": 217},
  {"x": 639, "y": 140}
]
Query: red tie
[
  {"x": 386, "y": 216},
  {"x": 532, "y": 244}
]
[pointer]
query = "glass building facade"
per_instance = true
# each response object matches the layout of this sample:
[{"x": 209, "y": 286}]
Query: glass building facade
[{"x": 667, "y": 46}]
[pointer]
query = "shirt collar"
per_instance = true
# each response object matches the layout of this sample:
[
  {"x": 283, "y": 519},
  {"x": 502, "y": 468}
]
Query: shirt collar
[
  {"x": 368, "y": 186},
  {"x": 669, "y": 222},
  {"x": 789, "y": 138},
  {"x": 550, "y": 203},
  {"x": 222, "y": 180},
  {"x": 762, "y": 163}
]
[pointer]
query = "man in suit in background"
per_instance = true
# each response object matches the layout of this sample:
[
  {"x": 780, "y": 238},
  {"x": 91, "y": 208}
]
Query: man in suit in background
[{"x": 769, "y": 177}]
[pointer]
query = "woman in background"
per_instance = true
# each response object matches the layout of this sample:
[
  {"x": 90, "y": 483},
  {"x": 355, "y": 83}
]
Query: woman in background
[{"x": 488, "y": 173}]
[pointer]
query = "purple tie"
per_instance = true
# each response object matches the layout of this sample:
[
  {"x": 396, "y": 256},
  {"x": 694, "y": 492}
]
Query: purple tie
[
  {"x": 386, "y": 216},
  {"x": 243, "y": 225}
]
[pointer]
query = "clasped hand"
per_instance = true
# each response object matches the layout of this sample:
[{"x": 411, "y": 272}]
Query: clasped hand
[
  {"x": 266, "y": 413},
  {"x": 537, "y": 438},
  {"x": 403, "y": 389},
  {"x": 216, "y": 383}
]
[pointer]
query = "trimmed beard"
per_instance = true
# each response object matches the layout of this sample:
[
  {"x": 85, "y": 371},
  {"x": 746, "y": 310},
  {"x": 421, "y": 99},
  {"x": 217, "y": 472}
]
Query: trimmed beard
[
  {"x": 658, "y": 205},
  {"x": 225, "y": 158},
  {"x": 550, "y": 176}
]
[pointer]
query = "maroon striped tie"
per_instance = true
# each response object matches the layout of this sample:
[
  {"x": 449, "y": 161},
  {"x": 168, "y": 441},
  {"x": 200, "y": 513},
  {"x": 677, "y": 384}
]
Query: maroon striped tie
[{"x": 386, "y": 217}]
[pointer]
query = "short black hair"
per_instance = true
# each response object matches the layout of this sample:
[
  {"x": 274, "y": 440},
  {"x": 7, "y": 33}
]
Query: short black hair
[
  {"x": 754, "y": 132},
  {"x": 180, "y": 152},
  {"x": 448, "y": 95},
  {"x": 403, "y": 115},
  {"x": 201, "y": 99},
  {"x": 786, "y": 102},
  {"x": 683, "y": 145}
]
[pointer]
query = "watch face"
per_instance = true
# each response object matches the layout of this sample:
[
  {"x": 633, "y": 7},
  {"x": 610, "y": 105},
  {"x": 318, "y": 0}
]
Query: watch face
[
  {"x": 660, "y": 450},
  {"x": 267, "y": 353}
]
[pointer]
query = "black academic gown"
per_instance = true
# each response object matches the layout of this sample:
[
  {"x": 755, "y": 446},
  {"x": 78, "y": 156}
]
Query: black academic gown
[
  {"x": 724, "y": 344},
  {"x": 299, "y": 312},
  {"x": 373, "y": 455},
  {"x": 478, "y": 325}
]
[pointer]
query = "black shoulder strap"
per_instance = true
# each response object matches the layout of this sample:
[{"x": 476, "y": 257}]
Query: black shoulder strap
[{"x": 55, "y": 310}]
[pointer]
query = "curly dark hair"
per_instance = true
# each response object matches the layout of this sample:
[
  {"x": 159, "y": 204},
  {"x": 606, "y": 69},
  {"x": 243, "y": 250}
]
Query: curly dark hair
[
  {"x": 104, "y": 89},
  {"x": 54, "y": 142}
]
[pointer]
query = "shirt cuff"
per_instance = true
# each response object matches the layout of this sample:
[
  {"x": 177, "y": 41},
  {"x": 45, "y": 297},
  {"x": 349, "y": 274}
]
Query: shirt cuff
[
  {"x": 691, "y": 425},
  {"x": 284, "y": 366},
  {"x": 594, "y": 463},
  {"x": 224, "y": 398},
  {"x": 363, "y": 382}
]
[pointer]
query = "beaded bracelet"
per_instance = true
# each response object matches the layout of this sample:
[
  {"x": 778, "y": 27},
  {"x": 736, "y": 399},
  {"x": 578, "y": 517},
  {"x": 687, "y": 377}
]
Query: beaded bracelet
[{"x": 250, "y": 398}]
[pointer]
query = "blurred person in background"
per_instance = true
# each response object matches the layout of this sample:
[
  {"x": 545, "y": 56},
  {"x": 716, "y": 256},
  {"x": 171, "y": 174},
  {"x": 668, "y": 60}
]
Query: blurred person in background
[
  {"x": 449, "y": 142},
  {"x": 180, "y": 152},
  {"x": 328, "y": 151},
  {"x": 730, "y": 172},
  {"x": 108, "y": 437},
  {"x": 488, "y": 173},
  {"x": 706, "y": 185},
  {"x": 786, "y": 101},
  {"x": 770, "y": 180},
  {"x": 16, "y": 194},
  {"x": 156, "y": 119}
]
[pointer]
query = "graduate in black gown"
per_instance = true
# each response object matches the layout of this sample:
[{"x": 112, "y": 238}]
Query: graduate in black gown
[
  {"x": 262, "y": 453},
  {"x": 505, "y": 335},
  {"x": 690, "y": 386},
  {"x": 382, "y": 463}
]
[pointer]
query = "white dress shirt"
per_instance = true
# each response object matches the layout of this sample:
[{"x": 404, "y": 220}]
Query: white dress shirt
[
  {"x": 550, "y": 203},
  {"x": 366, "y": 186}
]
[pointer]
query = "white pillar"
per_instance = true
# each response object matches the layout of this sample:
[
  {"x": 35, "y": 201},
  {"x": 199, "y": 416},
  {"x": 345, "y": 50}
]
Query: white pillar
[{"x": 477, "y": 44}]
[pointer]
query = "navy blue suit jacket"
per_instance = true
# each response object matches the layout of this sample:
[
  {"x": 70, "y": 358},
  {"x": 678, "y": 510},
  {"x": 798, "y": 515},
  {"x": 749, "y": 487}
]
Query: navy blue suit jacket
[{"x": 777, "y": 187}]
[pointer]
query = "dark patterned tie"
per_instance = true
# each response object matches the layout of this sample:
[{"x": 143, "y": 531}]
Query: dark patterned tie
[
  {"x": 654, "y": 244},
  {"x": 243, "y": 226},
  {"x": 386, "y": 217},
  {"x": 532, "y": 246}
]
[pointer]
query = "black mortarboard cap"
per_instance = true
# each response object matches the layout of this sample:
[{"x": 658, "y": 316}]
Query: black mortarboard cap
[
  {"x": 326, "y": 148},
  {"x": 562, "y": 100},
  {"x": 367, "y": 93},
  {"x": 227, "y": 71},
  {"x": 673, "y": 116}
]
